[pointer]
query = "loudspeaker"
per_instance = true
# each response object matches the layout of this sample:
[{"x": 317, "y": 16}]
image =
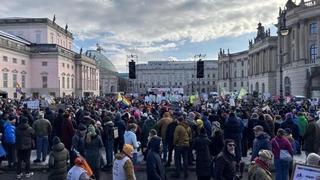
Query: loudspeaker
[
  {"x": 200, "y": 69},
  {"x": 132, "y": 70}
]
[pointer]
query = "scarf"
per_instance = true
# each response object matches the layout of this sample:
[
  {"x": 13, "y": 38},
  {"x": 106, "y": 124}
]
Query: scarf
[{"x": 262, "y": 164}]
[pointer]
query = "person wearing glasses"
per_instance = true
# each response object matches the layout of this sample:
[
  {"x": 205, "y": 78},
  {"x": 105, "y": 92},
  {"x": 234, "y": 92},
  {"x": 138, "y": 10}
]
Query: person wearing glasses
[{"x": 225, "y": 163}]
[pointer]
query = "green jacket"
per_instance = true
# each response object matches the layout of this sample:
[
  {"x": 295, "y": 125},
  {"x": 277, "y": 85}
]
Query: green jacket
[
  {"x": 182, "y": 134},
  {"x": 257, "y": 173},
  {"x": 42, "y": 127},
  {"x": 303, "y": 123},
  {"x": 58, "y": 167}
]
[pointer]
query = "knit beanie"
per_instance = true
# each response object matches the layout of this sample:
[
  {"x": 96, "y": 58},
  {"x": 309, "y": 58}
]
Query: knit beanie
[
  {"x": 199, "y": 123},
  {"x": 127, "y": 149},
  {"x": 56, "y": 140}
]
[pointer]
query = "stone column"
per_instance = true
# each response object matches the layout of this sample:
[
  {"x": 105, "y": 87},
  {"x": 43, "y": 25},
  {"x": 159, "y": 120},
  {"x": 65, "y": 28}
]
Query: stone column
[
  {"x": 302, "y": 40},
  {"x": 296, "y": 42}
]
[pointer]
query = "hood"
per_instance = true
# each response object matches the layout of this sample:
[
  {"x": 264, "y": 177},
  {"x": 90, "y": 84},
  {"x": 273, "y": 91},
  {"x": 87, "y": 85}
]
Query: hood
[
  {"x": 154, "y": 144},
  {"x": 128, "y": 133},
  {"x": 109, "y": 123},
  {"x": 58, "y": 147},
  {"x": 166, "y": 115},
  {"x": 117, "y": 116},
  {"x": 184, "y": 124},
  {"x": 23, "y": 126},
  {"x": 263, "y": 136}
]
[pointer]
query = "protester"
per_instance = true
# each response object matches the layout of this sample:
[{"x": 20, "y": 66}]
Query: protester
[
  {"x": 108, "y": 139},
  {"x": 312, "y": 136},
  {"x": 169, "y": 138},
  {"x": 123, "y": 166},
  {"x": 261, "y": 142},
  {"x": 120, "y": 124},
  {"x": 162, "y": 126},
  {"x": 67, "y": 131},
  {"x": 10, "y": 140},
  {"x": 78, "y": 143},
  {"x": 260, "y": 168},
  {"x": 58, "y": 158},
  {"x": 77, "y": 172},
  {"x": 313, "y": 159},
  {"x": 24, "y": 138},
  {"x": 225, "y": 162},
  {"x": 42, "y": 128},
  {"x": 280, "y": 142},
  {"x": 155, "y": 168}
]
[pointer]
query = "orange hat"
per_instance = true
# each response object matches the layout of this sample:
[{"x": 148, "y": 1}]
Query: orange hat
[
  {"x": 78, "y": 161},
  {"x": 127, "y": 149}
]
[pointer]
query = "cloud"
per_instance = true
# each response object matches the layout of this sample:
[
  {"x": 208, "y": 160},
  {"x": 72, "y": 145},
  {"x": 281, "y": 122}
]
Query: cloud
[{"x": 148, "y": 26}]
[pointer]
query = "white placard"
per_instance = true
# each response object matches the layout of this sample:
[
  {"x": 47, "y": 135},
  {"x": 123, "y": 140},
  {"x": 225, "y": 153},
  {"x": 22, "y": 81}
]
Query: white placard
[
  {"x": 33, "y": 104},
  {"x": 303, "y": 171}
]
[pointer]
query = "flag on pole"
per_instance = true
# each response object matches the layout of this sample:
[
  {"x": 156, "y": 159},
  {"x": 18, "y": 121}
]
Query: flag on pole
[
  {"x": 18, "y": 88},
  {"x": 123, "y": 100},
  {"x": 242, "y": 93}
]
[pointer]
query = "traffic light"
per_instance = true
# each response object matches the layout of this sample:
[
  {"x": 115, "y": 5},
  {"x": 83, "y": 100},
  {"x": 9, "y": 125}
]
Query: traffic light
[
  {"x": 132, "y": 70},
  {"x": 200, "y": 69}
]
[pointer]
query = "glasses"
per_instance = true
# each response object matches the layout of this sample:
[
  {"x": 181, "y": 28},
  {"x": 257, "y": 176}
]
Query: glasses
[{"x": 232, "y": 145}]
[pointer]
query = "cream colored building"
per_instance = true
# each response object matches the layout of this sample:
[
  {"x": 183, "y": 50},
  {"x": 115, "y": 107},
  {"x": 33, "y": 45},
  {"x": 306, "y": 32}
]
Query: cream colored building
[
  {"x": 301, "y": 62},
  {"x": 176, "y": 74},
  {"x": 232, "y": 71}
]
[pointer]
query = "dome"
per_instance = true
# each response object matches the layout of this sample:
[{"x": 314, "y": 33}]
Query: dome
[{"x": 102, "y": 61}]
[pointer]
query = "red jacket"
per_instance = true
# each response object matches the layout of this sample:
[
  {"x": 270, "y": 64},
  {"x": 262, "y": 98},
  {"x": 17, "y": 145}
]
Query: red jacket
[{"x": 283, "y": 143}]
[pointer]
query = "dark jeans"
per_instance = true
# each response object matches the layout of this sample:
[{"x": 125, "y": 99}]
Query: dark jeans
[
  {"x": 204, "y": 178},
  {"x": 181, "y": 152},
  {"x": 282, "y": 169},
  {"x": 109, "y": 152},
  {"x": 118, "y": 145},
  {"x": 164, "y": 151},
  {"x": 170, "y": 151},
  {"x": 42, "y": 147},
  {"x": 11, "y": 153},
  {"x": 23, "y": 155}
]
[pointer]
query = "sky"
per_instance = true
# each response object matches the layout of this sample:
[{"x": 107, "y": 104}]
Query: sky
[{"x": 154, "y": 29}]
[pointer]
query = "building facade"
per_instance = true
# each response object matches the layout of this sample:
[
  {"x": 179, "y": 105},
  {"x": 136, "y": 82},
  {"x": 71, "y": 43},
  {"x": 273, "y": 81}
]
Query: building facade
[
  {"x": 233, "y": 71},
  {"x": 46, "y": 68},
  {"x": 262, "y": 62},
  {"x": 301, "y": 60},
  {"x": 176, "y": 74}
]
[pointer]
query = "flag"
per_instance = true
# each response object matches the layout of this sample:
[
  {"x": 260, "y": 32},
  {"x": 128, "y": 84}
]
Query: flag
[
  {"x": 123, "y": 100},
  {"x": 18, "y": 88},
  {"x": 242, "y": 93}
]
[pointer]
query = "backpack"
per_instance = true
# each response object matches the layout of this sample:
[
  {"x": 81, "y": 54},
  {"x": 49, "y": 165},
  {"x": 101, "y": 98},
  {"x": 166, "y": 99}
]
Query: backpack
[{"x": 9, "y": 134}]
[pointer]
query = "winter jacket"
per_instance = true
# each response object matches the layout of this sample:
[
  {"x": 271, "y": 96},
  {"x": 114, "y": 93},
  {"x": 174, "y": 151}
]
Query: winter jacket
[
  {"x": 78, "y": 143},
  {"x": 108, "y": 129},
  {"x": 225, "y": 166},
  {"x": 50, "y": 115},
  {"x": 58, "y": 166},
  {"x": 42, "y": 127},
  {"x": 312, "y": 137},
  {"x": 128, "y": 167},
  {"x": 163, "y": 124},
  {"x": 280, "y": 144},
  {"x": 289, "y": 123},
  {"x": 217, "y": 143},
  {"x": 146, "y": 127},
  {"x": 302, "y": 123},
  {"x": 207, "y": 126},
  {"x": 261, "y": 142},
  {"x": 155, "y": 168},
  {"x": 9, "y": 135},
  {"x": 258, "y": 172},
  {"x": 131, "y": 138},
  {"x": 92, "y": 151},
  {"x": 203, "y": 158},
  {"x": 121, "y": 125},
  {"x": 182, "y": 134},
  {"x": 57, "y": 125},
  {"x": 170, "y": 132},
  {"x": 251, "y": 124},
  {"x": 233, "y": 128},
  {"x": 67, "y": 132},
  {"x": 24, "y": 137}
]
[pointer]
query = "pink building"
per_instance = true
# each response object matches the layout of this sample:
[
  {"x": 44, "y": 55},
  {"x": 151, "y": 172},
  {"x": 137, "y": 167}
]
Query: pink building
[{"x": 42, "y": 62}]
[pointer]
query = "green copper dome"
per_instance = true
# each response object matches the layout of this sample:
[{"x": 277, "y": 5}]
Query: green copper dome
[{"x": 102, "y": 61}]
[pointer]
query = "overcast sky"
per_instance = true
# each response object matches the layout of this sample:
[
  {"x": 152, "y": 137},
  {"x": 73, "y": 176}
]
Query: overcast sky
[{"x": 154, "y": 29}]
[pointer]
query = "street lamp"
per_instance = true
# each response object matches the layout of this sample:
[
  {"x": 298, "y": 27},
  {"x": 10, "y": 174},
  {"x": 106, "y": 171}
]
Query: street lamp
[{"x": 282, "y": 32}]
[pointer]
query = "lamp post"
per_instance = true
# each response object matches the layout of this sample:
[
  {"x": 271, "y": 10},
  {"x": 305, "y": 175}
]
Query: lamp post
[{"x": 282, "y": 32}]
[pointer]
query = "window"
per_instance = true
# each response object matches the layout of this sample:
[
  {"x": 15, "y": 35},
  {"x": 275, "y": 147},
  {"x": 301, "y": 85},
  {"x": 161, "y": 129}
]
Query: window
[
  {"x": 208, "y": 82},
  {"x": 38, "y": 37},
  {"x": 68, "y": 82},
  {"x": 235, "y": 74},
  {"x": 14, "y": 80},
  {"x": 313, "y": 28},
  {"x": 192, "y": 75},
  {"x": 23, "y": 81},
  {"x": 44, "y": 63},
  {"x": 227, "y": 75},
  {"x": 235, "y": 64},
  {"x": 242, "y": 63},
  {"x": 242, "y": 73},
  {"x": 224, "y": 84},
  {"x": 214, "y": 75},
  {"x": 208, "y": 75},
  {"x": 292, "y": 34},
  {"x": 241, "y": 83},
  {"x": 71, "y": 82},
  {"x": 5, "y": 58},
  {"x": 63, "y": 82},
  {"x": 213, "y": 83},
  {"x": 14, "y": 60},
  {"x": 71, "y": 67},
  {"x": 313, "y": 52},
  {"x": 23, "y": 62},
  {"x": 62, "y": 64},
  {"x": 68, "y": 66},
  {"x": 51, "y": 35},
  {"x": 5, "y": 80},
  {"x": 44, "y": 82},
  {"x": 235, "y": 84}
]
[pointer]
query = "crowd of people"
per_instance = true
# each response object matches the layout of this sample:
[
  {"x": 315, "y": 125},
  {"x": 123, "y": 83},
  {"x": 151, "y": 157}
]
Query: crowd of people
[{"x": 213, "y": 135}]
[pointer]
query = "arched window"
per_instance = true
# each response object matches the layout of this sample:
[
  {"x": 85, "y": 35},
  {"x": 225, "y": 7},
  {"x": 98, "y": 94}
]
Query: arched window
[
  {"x": 263, "y": 88},
  {"x": 257, "y": 87}
]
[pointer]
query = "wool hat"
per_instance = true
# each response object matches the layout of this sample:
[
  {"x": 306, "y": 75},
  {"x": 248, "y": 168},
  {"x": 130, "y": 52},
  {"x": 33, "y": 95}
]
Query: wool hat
[
  {"x": 258, "y": 128},
  {"x": 127, "y": 149},
  {"x": 82, "y": 127},
  {"x": 56, "y": 140},
  {"x": 78, "y": 161},
  {"x": 265, "y": 154},
  {"x": 199, "y": 123}
]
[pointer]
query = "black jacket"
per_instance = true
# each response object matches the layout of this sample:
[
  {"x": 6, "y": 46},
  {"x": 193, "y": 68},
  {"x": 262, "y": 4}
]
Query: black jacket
[
  {"x": 225, "y": 166},
  {"x": 203, "y": 159},
  {"x": 155, "y": 168},
  {"x": 170, "y": 132},
  {"x": 24, "y": 137}
]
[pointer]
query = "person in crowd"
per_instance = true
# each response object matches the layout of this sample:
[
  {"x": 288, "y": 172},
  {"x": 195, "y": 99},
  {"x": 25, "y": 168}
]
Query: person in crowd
[
  {"x": 58, "y": 160},
  {"x": 260, "y": 168},
  {"x": 147, "y": 126},
  {"x": 57, "y": 129},
  {"x": 93, "y": 143},
  {"x": 155, "y": 168},
  {"x": 254, "y": 121},
  {"x": 162, "y": 126},
  {"x": 181, "y": 141},
  {"x": 262, "y": 141},
  {"x": 78, "y": 143},
  {"x": 313, "y": 159},
  {"x": 294, "y": 143},
  {"x": 289, "y": 123},
  {"x": 42, "y": 128},
  {"x": 277, "y": 123},
  {"x": 206, "y": 123},
  {"x": 233, "y": 128},
  {"x": 123, "y": 166},
  {"x": 225, "y": 162},
  {"x": 24, "y": 138},
  {"x": 270, "y": 123},
  {"x": 203, "y": 158},
  {"x": 108, "y": 139},
  {"x": 78, "y": 172},
  {"x": 9, "y": 136},
  {"x": 130, "y": 136},
  {"x": 169, "y": 139},
  {"x": 121, "y": 125},
  {"x": 312, "y": 136},
  {"x": 67, "y": 131},
  {"x": 217, "y": 142},
  {"x": 280, "y": 142}
]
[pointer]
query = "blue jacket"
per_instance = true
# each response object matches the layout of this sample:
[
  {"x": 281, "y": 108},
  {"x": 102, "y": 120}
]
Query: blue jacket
[
  {"x": 233, "y": 128},
  {"x": 207, "y": 126},
  {"x": 259, "y": 143},
  {"x": 155, "y": 168}
]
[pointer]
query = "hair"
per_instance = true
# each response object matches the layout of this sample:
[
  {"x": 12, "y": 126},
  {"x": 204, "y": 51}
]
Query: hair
[
  {"x": 281, "y": 132},
  {"x": 153, "y": 132},
  {"x": 132, "y": 126}
]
